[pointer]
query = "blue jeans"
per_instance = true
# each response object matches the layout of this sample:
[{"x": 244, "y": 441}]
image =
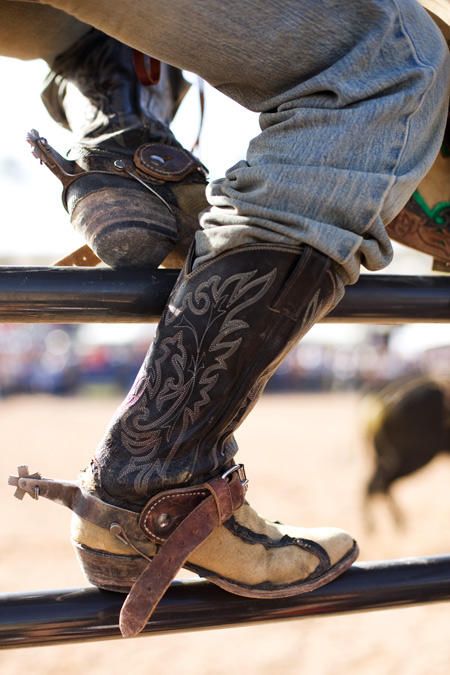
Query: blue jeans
[{"x": 353, "y": 99}]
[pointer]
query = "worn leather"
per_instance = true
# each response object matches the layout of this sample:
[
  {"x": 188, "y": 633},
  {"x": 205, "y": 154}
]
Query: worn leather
[
  {"x": 191, "y": 515},
  {"x": 130, "y": 188},
  {"x": 153, "y": 164},
  {"x": 217, "y": 500},
  {"x": 165, "y": 163},
  {"x": 207, "y": 528},
  {"x": 227, "y": 326}
]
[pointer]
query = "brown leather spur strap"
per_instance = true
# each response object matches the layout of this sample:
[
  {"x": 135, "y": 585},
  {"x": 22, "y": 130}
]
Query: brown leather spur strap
[
  {"x": 147, "y": 68},
  {"x": 216, "y": 500},
  {"x": 176, "y": 522},
  {"x": 152, "y": 163}
]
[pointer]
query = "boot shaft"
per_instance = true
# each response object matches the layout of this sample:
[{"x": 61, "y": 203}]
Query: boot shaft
[
  {"x": 93, "y": 90},
  {"x": 227, "y": 326}
]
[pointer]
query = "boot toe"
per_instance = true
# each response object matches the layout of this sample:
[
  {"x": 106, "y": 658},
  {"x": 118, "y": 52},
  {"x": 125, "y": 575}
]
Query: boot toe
[
  {"x": 124, "y": 226},
  {"x": 254, "y": 557},
  {"x": 337, "y": 543}
]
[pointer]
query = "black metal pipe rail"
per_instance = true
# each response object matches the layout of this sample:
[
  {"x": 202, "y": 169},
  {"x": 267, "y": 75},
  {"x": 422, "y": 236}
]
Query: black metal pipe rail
[
  {"x": 74, "y": 615},
  {"x": 69, "y": 295}
]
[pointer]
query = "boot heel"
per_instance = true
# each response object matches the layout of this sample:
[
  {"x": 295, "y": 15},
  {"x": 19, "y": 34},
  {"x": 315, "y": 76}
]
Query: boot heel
[
  {"x": 109, "y": 571},
  {"x": 441, "y": 265}
]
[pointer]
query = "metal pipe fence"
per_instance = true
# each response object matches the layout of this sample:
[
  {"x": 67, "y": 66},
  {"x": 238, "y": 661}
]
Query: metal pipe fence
[
  {"x": 77, "y": 295},
  {"x": 87, "y": 614},
  {"x": 68, "y": 295}
]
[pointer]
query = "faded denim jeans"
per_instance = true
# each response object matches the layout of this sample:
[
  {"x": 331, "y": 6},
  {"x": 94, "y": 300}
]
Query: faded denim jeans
[{"x": 352, "y": 96}]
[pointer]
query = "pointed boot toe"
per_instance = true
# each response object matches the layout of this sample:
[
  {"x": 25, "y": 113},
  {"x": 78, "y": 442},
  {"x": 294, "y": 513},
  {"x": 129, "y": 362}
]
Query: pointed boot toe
[{"x": 253, "y": 557}]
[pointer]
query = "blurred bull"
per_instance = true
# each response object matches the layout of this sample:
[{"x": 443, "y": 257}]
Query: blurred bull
[{"x": 407, "y": 423}]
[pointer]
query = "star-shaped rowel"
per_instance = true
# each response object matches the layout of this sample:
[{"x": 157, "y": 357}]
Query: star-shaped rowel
[{"x": 23, "y": 473}]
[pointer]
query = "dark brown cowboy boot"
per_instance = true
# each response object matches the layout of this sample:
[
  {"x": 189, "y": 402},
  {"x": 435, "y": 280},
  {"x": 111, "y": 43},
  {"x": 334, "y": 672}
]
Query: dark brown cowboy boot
[
  {"x": 163, "y": 491},
  {"x": 131, "y": 190},
  {"x": 424, "y": 223}
]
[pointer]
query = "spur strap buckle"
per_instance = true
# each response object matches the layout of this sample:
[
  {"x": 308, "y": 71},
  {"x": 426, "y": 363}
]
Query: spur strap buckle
[{"x": 240, "y": 470}]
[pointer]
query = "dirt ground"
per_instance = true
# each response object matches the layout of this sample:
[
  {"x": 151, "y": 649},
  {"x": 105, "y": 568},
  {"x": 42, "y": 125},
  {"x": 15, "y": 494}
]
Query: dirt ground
[{"x": 307, "y": 464}]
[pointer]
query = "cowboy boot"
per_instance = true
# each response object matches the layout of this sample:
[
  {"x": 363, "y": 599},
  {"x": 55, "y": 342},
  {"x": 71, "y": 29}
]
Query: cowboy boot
[
  {"x": 163, "y": 490},
  {"x": 424, "y": 223},
  {"x": 130, "y": 188}
]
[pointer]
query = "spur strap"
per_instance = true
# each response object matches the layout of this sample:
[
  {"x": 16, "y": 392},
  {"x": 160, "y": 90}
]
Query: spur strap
[
  {"x": 217, "y": 500},
  {"x": 151, "y": 164},
  {"x": 175, "y": 521}
]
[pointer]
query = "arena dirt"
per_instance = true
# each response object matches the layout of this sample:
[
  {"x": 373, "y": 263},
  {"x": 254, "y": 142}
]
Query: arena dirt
[{"x": 307, "y": 463}]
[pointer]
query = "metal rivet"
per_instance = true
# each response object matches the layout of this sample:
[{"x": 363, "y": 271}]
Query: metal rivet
[
  {"x": 163, "y": 521},
  {"x": 119, "y": 164}
]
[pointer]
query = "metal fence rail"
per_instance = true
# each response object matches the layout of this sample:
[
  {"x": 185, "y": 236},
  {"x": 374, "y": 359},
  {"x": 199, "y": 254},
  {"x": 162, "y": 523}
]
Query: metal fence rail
[
  {"x": 69, "y": 295},
  {"x": 73, "y": 615}
]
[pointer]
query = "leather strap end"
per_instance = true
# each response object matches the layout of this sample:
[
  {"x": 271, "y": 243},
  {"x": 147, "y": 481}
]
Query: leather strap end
[
  {"x": 129, "y": 623},
  {"x": 151, "y": 585},
  {"x": 225, "y": 496}
]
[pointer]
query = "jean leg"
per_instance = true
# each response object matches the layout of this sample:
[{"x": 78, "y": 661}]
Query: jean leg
[
  {"x": 352, "y": 98},
  {"x": 28, "y": 31}
]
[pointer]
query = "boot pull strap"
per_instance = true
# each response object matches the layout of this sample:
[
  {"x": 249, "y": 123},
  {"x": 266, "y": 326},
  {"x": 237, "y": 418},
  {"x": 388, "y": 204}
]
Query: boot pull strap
[
  {"x": 226, "y": 495},
  {"x": 148, "y": 69}
]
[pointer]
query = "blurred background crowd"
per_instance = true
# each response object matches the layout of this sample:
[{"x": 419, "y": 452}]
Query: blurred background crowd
[{"x": 88, "y": 359}]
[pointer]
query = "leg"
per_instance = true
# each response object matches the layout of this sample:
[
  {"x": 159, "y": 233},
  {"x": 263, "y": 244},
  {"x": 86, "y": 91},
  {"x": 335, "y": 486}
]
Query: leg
[
  {"x": 287, "y": 228},
  {"x": 349, "y": 129},
  {"x": 424, "y": 223},
  {"x": 31, "y": 32},
  {"x": 125, "y": 223}
]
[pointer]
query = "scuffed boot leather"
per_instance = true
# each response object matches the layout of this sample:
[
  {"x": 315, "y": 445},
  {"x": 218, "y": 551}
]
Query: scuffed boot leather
[
  {"x": 138, "y": 193},
  {"x": 227, "y": 326},
  {"x": 163, "y": 491}
]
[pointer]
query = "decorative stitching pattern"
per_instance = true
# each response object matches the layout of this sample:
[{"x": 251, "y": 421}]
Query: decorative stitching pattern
[
  {"x": 158, "y": 413},
  {"x": 250, "y": 537},
  {"x": 146, "y": 528},
  {"x": 205, "y": 370}
]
